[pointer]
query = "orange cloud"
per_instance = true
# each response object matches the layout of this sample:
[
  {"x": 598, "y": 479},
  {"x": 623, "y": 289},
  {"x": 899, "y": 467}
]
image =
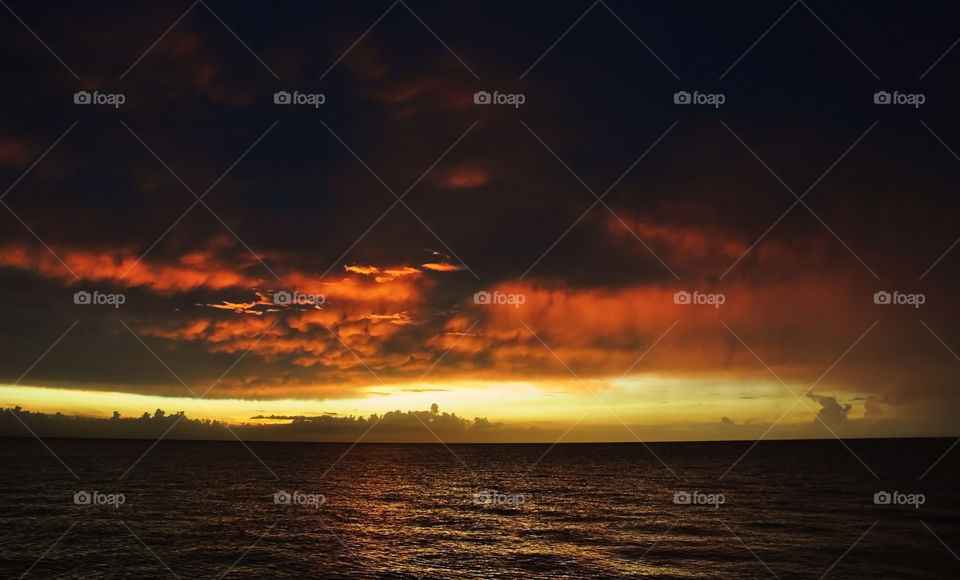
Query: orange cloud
[
  {"x": 463, "y": 178},
  {"x": 602, "y": 332},
  {"x": 239, "y": 307},
  {"x": 120, "y": 267},
  {"x": 441, "y": 267},
  {"x": 384, "y": 275},
  {"x": 393, "y": 273}
]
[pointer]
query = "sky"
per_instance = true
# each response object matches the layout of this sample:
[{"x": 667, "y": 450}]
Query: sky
[{"x": 588, "y": 256}]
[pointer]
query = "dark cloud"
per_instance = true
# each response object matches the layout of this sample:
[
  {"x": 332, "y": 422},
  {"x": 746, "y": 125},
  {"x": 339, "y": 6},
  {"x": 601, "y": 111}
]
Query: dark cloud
[
  {"x": 831, "y": 412},
  {"x": 392, "y": 426}
]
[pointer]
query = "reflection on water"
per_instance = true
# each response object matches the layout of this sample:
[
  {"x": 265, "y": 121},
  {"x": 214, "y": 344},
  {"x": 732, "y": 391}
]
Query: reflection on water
[{"x": 199, "y": 509}]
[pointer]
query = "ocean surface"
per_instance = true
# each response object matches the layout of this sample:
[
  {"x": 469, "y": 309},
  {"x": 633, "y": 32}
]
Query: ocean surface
[{"x": 788, "y": 509}]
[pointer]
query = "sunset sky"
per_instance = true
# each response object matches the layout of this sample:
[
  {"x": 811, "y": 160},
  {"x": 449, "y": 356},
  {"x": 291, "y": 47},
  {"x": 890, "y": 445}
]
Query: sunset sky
[{"x": 399, "y": 199}]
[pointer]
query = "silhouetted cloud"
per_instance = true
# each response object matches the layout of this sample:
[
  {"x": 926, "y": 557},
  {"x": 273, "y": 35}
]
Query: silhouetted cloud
[{"x": 831, "y": 412}]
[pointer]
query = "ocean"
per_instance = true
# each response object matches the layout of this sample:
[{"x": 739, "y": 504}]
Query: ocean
[{"x": 190, "y": 509}]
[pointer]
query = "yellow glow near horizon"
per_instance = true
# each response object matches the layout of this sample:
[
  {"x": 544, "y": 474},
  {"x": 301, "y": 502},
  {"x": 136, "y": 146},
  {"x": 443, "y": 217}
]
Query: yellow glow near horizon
[{"x": 647, "y": 399}]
